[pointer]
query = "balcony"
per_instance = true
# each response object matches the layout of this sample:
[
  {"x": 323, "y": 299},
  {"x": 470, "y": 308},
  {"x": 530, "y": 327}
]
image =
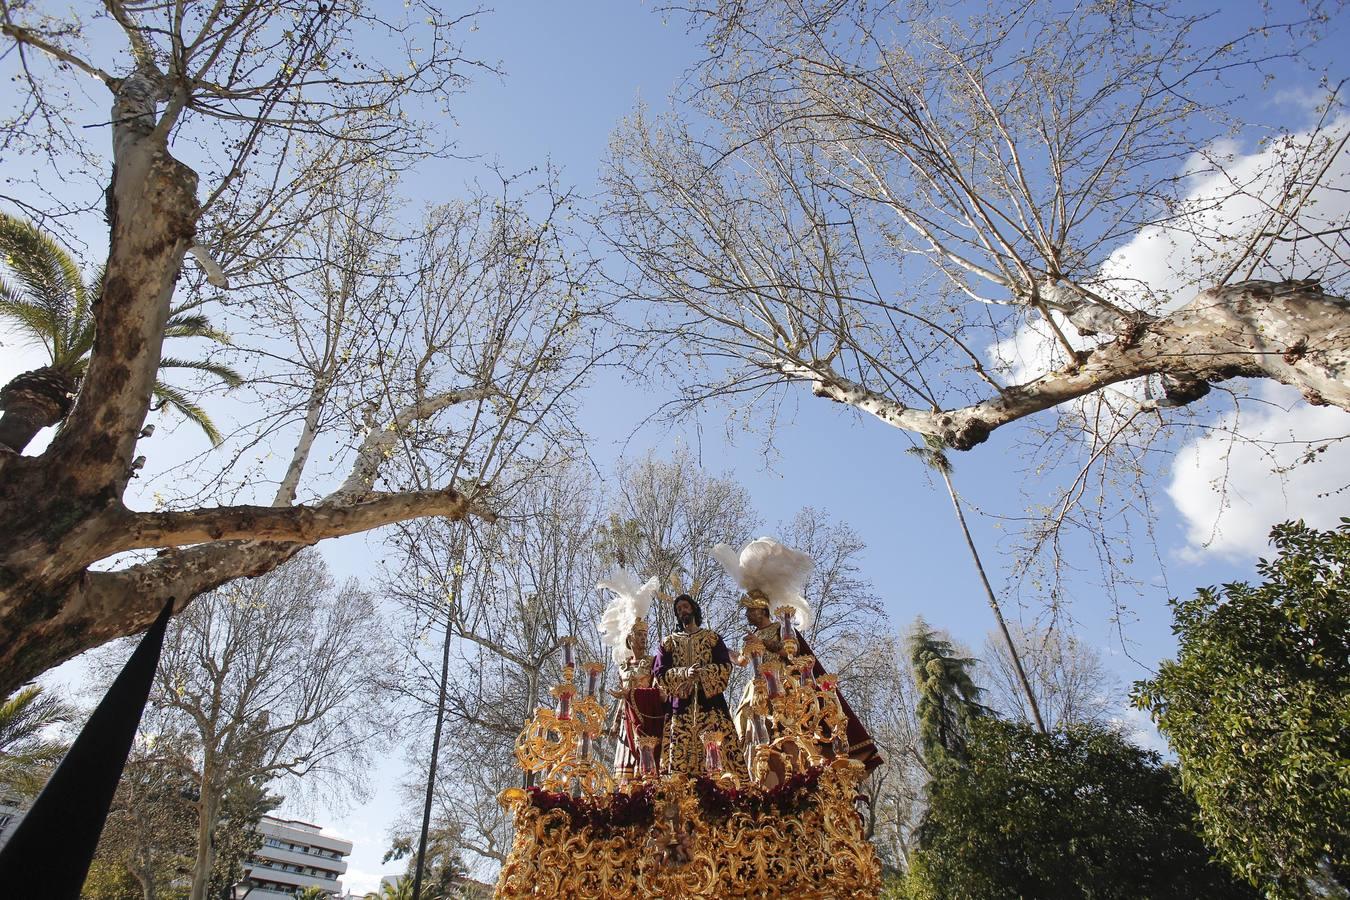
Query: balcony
[
  {"x": 267, "y": 873},
  {"x": 296, "y": 858}
]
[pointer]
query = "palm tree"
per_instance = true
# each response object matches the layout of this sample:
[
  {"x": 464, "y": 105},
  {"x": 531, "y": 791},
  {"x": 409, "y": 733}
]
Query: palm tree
[
  {"x": 393, "y": 890},
  {"x": 27, "y": 754},
  {"x": 935, "y": 458},
  {"x": 51, "y": 304}
]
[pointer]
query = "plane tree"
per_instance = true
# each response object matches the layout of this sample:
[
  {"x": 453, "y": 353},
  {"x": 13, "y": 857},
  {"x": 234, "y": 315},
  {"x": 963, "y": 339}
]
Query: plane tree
[
  {"x": 237, "y": 134},
  {"x": 1015, "y": 215}
]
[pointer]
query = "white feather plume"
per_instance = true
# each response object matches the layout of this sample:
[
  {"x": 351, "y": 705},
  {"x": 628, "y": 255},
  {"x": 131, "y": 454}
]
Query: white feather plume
[
  {"x": 629, "y": 603},
  {"x": 768, "y": 566}
]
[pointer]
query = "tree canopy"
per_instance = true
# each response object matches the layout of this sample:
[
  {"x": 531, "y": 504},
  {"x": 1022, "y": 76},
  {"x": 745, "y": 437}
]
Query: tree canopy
[
  {"x": 267, "y": 140},
  {"x": 1257, "y": 707},
  {"x": 1080, "y": 812},
  {"x": 1019, "y": 216}
]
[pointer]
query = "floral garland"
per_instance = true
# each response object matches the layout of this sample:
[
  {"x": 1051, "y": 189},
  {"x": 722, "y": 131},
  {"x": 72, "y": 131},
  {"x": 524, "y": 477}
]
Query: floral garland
[
  {"x": 792, "y": 796},
  {"x": 604, "y": 815},
  {"x": 628, "y": 809}
]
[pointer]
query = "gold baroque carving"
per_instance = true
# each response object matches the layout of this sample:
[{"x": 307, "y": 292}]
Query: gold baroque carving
[
  {"x": 818, "y": 852},
  {"x": 747, "y": 844}
]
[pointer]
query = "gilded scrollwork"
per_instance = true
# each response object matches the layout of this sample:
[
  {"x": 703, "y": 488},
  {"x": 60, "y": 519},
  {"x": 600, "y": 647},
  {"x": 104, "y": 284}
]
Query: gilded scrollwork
[
  {"x": 691, "y": 832},
  {"x": 813, "y": 852}
]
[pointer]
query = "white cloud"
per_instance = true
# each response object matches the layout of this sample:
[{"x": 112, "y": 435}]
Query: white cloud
[
  {"x": 1138, "y": 726},
  {"x": 360, "y": 881},
  {"x": 1229, "y": 198},
  {"x": 1231, "y": 485}
]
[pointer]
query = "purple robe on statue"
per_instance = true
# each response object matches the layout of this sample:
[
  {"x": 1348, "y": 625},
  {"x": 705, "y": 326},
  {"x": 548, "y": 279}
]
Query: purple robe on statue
[{"x": 692, "y": 670}]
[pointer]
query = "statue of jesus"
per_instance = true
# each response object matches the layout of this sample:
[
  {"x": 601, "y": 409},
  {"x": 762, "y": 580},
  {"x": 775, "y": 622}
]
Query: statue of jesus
[{"x": 692, "y": 669}]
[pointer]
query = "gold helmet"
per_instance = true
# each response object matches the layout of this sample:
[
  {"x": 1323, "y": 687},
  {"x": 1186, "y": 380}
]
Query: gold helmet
[{"x": 755, "y": 599}]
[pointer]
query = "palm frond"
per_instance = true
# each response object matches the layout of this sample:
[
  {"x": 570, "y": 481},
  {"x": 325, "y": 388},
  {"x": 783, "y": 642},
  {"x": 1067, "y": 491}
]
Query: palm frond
[
  {"x": 7, "y": 290},
  {"x": 27, "y": 754},
  {"x": 77, "y": 368},
  {"x": 48, "y": 301},
  {"x": 33, "y": 320},
  {"x": 194, "y": 325},
  {"x": 933, "y": 454},
  {"x": 84, "y": 304},
  {"x": 172, "y": 397},
  {"x": 81, "y": 342},
  {"x": 231, "y": 378},
  {"x": 187, "y": 306},
  {"x": 47, "y": 273}
]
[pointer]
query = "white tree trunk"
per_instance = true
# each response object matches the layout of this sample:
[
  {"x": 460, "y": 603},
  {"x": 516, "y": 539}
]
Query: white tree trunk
[
  {"x": 1288, "y": 331},
  {"x": 208, "y": 814}
]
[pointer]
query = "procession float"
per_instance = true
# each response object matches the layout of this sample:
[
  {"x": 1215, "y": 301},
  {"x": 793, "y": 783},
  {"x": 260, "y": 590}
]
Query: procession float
[{"x": 696, "y": 802}]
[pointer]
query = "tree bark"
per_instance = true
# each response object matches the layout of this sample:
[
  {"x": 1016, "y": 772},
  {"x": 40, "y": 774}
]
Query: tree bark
[
  {"x": 19, "y": 424},
  {"x": 152, "y": 211},
  {"x": 421, "y": 864},
  {"x": 994, "y": 604},
  {"x": 31, "y": 402},
  {"x": 1288, "y": 331},
  {"x": 208, "y": 814},
  {"x": 57, "y": 609}
]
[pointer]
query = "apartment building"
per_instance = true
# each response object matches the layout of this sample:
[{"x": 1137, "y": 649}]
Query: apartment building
[
  {"x": 12, "y": 808},
  {"x": 294, "y": 855}
]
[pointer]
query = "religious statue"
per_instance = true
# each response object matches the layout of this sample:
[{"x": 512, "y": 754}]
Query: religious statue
[
  {"x": 694, "y": 826},
  {"x": 754, "y": 724},
  {"x": 775, "y": 575},
  {"x": 638, "y": 719},
  {"x": 765, "y": 637},
  {"x": 691, "y": 670}
]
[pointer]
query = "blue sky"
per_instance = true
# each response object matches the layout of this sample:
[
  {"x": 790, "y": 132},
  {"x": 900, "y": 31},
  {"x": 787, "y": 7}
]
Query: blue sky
[{"x": 573, "y": 70}]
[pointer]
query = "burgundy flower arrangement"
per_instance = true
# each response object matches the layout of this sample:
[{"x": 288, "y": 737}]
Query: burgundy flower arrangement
[
  {"x": 792, "y": 796},
  {"x": 602, "y": 815},
  {"x": 626, "y": 809}
]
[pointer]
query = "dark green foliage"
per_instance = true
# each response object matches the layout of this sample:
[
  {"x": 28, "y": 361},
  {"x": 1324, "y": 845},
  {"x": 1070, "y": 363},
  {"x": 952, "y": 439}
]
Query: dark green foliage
[
  {"x": 948, "y": 698},
  {"x": 151, "y": 832},
  {"x": 1080, "y": 812},
  {"x": 148, "y": 836},
  {"x": 110, "y": 880},
  {"x": 445, "y": 867},
  {"x": 236, "y": 836},
  {"x": 1257, "y": 708}
]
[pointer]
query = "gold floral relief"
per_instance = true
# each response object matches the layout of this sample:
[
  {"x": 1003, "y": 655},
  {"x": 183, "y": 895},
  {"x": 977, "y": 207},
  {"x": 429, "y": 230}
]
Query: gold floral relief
[
  {"x": 816, "y": 852},
  {"x": 689, "y": 832}
]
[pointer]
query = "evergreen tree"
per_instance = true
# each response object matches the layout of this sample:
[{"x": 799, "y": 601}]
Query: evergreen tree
[
  {"x": 1257, "y": 707},
  {"x": 237, "y": 836},
  {"x": 949, "y": 700},
  {"x": 147, "y": 838}
]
